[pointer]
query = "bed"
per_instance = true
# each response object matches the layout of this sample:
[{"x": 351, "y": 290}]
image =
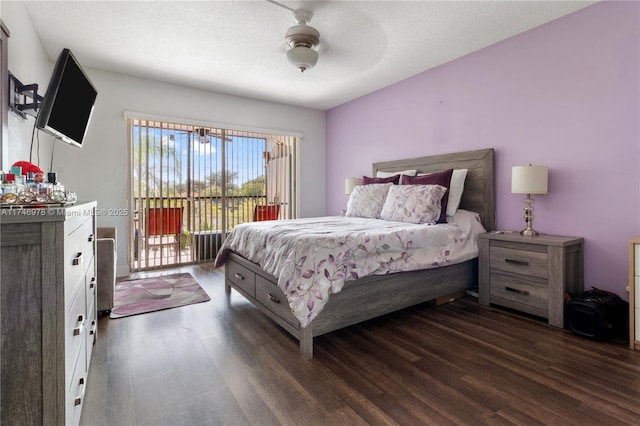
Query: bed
[{"x": 374, "y": 295}]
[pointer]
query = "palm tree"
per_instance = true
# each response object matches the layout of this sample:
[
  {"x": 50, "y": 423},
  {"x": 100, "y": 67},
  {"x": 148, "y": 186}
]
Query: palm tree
[{"x": 155, "y": 159}]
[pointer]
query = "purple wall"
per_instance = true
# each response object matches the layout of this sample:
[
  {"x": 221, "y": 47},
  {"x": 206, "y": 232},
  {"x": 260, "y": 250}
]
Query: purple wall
[{"x": 565, "y": 95}]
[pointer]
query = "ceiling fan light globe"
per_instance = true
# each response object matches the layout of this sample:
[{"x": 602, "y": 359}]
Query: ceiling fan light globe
[{"x": 303, "y": 58}]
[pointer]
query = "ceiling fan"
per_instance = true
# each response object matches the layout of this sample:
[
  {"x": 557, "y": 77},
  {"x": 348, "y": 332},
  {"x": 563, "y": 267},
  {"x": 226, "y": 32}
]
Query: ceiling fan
[{"x": 301, "y": 39}]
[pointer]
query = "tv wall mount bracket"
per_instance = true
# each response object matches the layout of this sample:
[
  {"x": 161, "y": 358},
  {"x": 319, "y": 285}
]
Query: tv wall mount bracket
[{"x": 23, "y": 98}]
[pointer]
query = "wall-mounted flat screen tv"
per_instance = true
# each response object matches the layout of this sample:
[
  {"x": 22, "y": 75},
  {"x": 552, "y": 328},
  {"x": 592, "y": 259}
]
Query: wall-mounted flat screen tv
[{"x": 68, "y": 103}]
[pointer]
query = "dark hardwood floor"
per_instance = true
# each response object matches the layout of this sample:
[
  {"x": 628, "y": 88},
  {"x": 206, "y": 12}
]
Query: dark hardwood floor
[{"x": 224, "y": 363}]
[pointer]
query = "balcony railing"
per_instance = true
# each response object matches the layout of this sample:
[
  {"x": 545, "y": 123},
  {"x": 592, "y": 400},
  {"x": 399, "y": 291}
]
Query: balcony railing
[{"x": 164, "y": 239}]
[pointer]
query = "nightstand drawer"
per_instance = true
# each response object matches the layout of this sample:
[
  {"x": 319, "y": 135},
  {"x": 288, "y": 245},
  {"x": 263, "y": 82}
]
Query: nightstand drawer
[
  {"x": 521, "y": 292},
  {"x": 530, "y": 263}
]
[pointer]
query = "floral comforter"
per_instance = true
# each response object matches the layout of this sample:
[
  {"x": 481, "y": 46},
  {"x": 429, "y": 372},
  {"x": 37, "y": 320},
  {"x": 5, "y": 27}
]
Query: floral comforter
[{"x": 312, "y": 258}]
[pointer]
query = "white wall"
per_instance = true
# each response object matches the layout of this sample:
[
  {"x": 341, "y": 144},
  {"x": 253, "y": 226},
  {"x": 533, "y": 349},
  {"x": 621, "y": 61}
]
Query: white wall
[
  {"x": 98, "y": 171},
  {"x": 28, "y": 61}
]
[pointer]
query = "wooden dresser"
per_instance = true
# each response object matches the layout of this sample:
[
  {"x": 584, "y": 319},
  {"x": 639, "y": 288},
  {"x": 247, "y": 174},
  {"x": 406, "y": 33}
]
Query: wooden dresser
[
  {"x": 530, "y": 274},
  {"x": 48, "y": 312},
  {"x": 634, "y": 294}
]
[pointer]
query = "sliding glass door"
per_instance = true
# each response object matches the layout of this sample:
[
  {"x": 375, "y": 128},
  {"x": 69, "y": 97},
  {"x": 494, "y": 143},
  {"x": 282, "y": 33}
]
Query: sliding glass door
[{"x": 190, "y": 185}]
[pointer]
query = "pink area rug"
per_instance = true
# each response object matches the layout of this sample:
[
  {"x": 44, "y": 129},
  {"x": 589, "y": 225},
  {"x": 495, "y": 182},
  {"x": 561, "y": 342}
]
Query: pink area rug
[{"x": 144, "y": 295}]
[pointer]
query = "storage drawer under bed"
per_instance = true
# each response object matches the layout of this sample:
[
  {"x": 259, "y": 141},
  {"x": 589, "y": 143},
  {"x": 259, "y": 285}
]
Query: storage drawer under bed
[
  {"x": 270, "y": 296},
  {"x": 241, "y": 277}
]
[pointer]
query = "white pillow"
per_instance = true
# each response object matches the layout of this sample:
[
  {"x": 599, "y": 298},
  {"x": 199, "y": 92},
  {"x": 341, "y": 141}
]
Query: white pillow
[
  {"x": 389, "y": 174},
  {"x": 455, "y": 190},
  {"x": 413, "y": 203},
  {"x": 367, "y": 200},
  {"x": 456, "y": 187}
]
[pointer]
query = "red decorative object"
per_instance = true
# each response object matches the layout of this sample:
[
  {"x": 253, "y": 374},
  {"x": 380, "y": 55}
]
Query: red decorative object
[
  {"x": 28, "y": 167},
  {"x": 261, "y": 213}
]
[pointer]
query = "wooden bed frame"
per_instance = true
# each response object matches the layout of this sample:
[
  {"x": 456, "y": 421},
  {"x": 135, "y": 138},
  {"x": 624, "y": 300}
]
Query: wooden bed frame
[{"x": 377, "y": 295}]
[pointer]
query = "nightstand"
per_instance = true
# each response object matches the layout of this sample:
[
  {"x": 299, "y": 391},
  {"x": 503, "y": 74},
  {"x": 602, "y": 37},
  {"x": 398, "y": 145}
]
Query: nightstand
[{"x": 530, "y": 274}]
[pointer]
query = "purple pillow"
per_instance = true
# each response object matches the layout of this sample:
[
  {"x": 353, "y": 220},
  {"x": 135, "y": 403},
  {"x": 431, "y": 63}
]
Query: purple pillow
[
  {"x": 440, "y": 178},
  {"x": 366, "y": 180}
]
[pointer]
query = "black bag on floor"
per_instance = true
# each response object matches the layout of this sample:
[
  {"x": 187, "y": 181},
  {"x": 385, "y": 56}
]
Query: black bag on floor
[{"x": 599, "y": 315}]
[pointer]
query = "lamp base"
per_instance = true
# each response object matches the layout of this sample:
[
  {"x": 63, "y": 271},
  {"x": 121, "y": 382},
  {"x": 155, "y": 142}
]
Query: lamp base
[
  {"x": 528, "y": 217},
  {"x": 529, "y": 232}
]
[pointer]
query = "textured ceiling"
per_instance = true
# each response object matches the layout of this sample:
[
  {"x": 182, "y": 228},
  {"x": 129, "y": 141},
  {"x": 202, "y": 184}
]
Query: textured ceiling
[{"x": 237, "y": 47}]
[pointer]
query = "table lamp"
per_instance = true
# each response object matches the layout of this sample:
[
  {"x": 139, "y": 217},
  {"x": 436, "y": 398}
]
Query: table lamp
[
  {"x": 350, "y": 183},
  {"x": 529, "y": 180}
]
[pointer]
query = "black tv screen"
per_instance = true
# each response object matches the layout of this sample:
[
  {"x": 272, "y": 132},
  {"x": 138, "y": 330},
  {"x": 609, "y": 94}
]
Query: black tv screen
[{"x": 68, "y": 103}]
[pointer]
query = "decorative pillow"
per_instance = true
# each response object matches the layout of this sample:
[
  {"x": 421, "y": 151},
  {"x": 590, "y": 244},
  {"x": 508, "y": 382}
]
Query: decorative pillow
[
  {"x": 367, "y": 200},
  {"x": 455, "y": 190},
  {"x": 389, "y": 174},
  {"x": 395, "y": 179},
  {"x": 413, "y": 203},
  {"x": 441, "y": 178}
]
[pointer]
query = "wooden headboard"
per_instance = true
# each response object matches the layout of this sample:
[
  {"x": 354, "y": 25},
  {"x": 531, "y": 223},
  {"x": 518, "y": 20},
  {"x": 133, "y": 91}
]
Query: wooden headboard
[{"x": 479, "y": 186}]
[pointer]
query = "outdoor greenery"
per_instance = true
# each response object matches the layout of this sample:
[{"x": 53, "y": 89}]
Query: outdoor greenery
[
  {"x": 211, "y": 178},
  {"x": 158, "y": 178},
  {"x": 152, "y": 161},
  {"x": 253, "y": 188}
]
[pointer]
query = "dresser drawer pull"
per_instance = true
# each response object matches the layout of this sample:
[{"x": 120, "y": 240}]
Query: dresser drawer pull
[
  {"x": 238, "y": 276},
  {"x": 92, "y": 330},
  {"x": 517, "y": 262},
  {"x": 77, "y": 260},
  {"x": 91, "y": 238},
  {"x": 92, "y": 284},
  {"x": 78, "y": 399},
  {"x": 273, "y": 298},
  {"x": 515, "y": 290},
  {"x": 78, "y": 330}
]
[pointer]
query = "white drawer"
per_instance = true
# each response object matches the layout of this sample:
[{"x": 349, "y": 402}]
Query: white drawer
[
  {"x": 75, "y": 222},
  {"x": 636, "y": 251},
  {"x": 92, "y": 330},
  {"x": 637, "y": 293},
  {"x": 78, "y": 253},
  {"x": 71, "y": 296},
  {"x": 75, "y": 332},
  {"x": 76, "y": 390},
  {"x": 92, "y": 321},
  {"x": 91, "y": 285}
]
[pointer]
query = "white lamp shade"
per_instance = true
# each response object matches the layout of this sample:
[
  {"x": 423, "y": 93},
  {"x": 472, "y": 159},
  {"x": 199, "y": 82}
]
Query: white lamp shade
[
  {"x": 350, "y": 183},
  {"x": 303, "y": 58},
  {"x": 529, "y": 179}
]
